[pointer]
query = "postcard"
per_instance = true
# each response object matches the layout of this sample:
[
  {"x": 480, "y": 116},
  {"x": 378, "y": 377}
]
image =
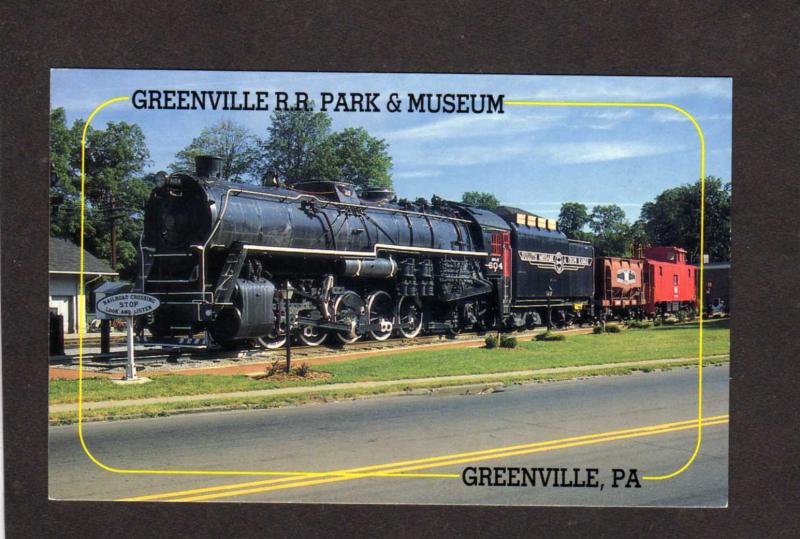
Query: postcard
[{"x": 389, "y": 288}]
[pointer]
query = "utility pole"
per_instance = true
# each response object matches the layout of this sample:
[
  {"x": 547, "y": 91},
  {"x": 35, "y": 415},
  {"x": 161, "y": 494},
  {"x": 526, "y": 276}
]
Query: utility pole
[{"x": 113, "y": 216}]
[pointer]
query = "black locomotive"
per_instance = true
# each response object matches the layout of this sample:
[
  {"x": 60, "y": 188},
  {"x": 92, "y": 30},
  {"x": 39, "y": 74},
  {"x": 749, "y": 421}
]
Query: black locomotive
[{"x": 220, "y": 255}]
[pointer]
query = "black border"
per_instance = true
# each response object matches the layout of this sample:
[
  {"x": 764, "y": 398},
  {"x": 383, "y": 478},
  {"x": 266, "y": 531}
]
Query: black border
[{"x": 752, "y": 42}]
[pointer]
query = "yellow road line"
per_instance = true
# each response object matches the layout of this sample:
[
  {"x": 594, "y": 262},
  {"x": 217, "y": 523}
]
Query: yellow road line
[
  {"x": 81, "y": 305},
  {"x": 702, "y": 140},
  {"x": 400, "y": 469},
  {"x": 304, "y": 483}
]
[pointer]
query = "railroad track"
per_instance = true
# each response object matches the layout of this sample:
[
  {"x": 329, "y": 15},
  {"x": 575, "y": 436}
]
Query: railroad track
[{"x": 198, "y": 358}]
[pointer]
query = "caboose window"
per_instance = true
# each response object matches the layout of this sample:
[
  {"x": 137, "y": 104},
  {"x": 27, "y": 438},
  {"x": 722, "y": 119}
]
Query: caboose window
[
  {"x": 660, "y": 271},
  {"x": 675, "y": 280}
]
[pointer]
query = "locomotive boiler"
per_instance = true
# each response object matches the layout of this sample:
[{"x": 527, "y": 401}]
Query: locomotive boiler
[{"x": 218, "y": 255}]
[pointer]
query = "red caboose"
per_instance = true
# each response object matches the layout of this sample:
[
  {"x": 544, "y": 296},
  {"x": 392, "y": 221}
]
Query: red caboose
[
  {"x": 669, "y": 281},
  {"x": 619, "y": 285}
]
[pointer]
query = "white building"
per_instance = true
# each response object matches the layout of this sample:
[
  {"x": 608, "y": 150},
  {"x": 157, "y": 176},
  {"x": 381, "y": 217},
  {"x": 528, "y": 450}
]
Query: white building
[{"x": 65, "y": 275}]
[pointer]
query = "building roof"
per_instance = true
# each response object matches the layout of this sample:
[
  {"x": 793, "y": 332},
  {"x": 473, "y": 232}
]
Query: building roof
[{"x": 65, "y": 257}]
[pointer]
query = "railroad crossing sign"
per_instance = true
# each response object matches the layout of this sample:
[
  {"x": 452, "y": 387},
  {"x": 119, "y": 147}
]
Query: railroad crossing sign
[{"x": 128, "y": 306}]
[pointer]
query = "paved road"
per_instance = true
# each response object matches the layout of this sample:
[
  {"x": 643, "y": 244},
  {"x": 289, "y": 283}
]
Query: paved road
[{"x": 354, "y": 434}]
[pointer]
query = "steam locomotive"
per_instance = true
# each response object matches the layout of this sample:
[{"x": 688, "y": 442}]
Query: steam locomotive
[{"x": 229, "y": 258}]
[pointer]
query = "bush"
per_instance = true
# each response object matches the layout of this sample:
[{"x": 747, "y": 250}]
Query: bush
[
  {"x": 550, "y": 336},
  {"x": 302, "y": 370},
  {"x": 598, "y": 329},
  {"x": 670, "y": 321},
  {"x": 639, "y": 324},
  {"x": 507, "y": 341},
  {"x": 613, "y": 328},
  {"x": 491, "y": 341},
  {"x": 656, "y": 321},
  {"x": 273, "y": 369}
]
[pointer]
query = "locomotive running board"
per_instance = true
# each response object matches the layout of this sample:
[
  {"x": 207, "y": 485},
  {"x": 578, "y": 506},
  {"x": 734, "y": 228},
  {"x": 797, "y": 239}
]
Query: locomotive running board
[{"x": 363, "y": 254}]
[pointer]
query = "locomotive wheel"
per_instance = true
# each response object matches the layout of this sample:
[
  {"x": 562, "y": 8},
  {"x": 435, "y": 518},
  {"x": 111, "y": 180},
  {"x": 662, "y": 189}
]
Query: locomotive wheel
[
  {"x": 347, "y": 309},
  {"x": 273, "y": 340},
  {"x": 408, "y": 314},
  {"x": 380, "y": 309},
  {"x": 530, "y": 321},
  {"x": 311, "y": 336}
]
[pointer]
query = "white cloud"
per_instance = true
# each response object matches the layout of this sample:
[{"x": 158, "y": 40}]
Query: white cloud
[
  {"x": 666, "y": 116},
  {"x": 616, "y": 114},
  {"x": 417, "y": 174},
  {"x": 644, "y": 89},
  {"x": 475, "y": 126},
  {"x": 460, "y": 155},
  {"x": 591, "y": 152}
]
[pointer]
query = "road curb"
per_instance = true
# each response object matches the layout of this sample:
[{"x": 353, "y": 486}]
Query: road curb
[{"x": 472, "y": 384}]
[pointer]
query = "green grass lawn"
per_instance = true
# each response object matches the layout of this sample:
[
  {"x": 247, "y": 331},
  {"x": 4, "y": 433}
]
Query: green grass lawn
[{"x": 630, "y": 345}]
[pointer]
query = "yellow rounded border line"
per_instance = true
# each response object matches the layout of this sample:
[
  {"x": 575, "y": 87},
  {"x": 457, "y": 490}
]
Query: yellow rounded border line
[
  {"x": 702, "y": 241},
  {"x": 363, "y": 472}
]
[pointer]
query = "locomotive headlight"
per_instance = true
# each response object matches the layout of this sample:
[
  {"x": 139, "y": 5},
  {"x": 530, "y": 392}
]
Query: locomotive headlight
[{"x": 209, "y": 313}]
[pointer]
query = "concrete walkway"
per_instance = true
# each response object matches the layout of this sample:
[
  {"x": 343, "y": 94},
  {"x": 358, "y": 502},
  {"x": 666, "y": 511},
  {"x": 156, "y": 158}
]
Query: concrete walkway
[{"x": 299, "y": 390}]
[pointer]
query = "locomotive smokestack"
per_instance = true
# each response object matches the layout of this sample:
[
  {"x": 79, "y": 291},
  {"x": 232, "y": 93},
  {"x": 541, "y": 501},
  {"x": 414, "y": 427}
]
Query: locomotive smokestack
[{"x": 208, "y": 166}]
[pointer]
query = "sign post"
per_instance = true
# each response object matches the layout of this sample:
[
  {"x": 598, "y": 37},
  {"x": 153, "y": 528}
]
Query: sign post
[
  {"x": 130, "y": 367},
  {"x": 128, "y": 306}
]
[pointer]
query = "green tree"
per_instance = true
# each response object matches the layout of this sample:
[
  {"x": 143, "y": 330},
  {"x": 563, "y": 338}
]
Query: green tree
[
  {"x": 233, "y": 143},
  {"x": 115, "y": 189},
  {"x": 64, "y": 178},
  {"x": 480, "y": 199},
  {"x": 301, "y": 147},
  {"x": 572, "y": 219},
  {"x": 357, "y": 157},
  {"x": 637, "y": 236},
  {"x": 611, "y": 231},
  {"x": 296, "y": 147},
  {"x": 673, "y": 218}
]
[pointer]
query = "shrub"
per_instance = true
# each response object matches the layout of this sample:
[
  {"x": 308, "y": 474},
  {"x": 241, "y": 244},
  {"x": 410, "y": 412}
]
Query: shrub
[
  {"x": 670, "y": 321},
  {"x": 507, "y": 341},
  {"x": 598, "y": 329},
  {"x": 302, "y": 370},
  {"x": 273, "y": 369},
  {"x": 613, "y": 328},
  {"x": 491, "y": 341},
  {"x": 656, "y": 321},
  {"x": 550, "y": 336},
  {"x": 639, "y": 324}
]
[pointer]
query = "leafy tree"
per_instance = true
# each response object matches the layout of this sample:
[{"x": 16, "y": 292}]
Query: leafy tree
[
  {"x": 300, "y": 147},
  {"x": 611, "y": 230},
  {"x": 296, "y": 147},
  {"x": 480, "y": 199},
  {"x": 637, "y": 236},
  {"x": 572, "y": 219},
  {"x": 64, "y": 177},
  {"x": 358, "y": 158},
  {"x": 228, "y": 140},
  {"x": 115, "y": 188},
  {"x": 674, "y": 218}
]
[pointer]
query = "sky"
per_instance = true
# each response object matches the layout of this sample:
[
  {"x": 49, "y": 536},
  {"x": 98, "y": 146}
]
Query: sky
[{"x": 531, "y": 157}]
